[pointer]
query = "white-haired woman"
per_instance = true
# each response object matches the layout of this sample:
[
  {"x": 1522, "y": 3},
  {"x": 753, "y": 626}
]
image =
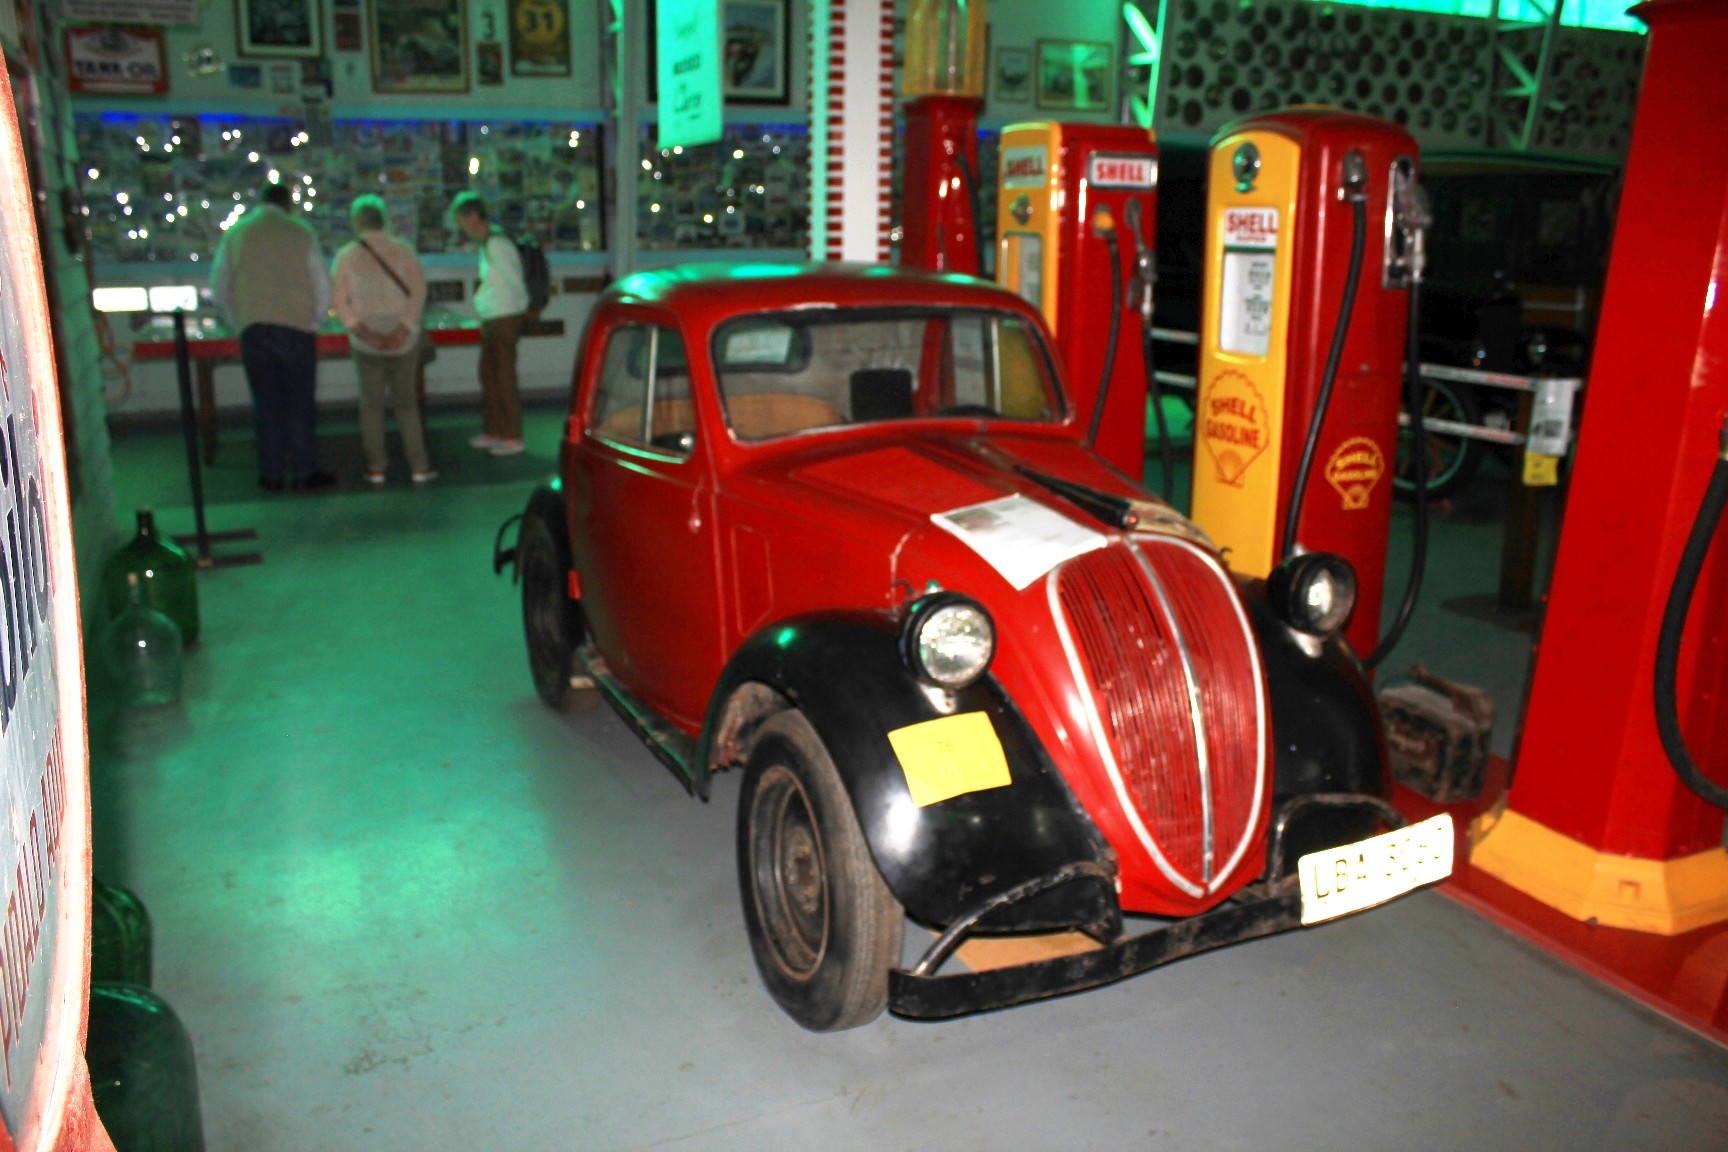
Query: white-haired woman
[{"x": 380, "y": 290}]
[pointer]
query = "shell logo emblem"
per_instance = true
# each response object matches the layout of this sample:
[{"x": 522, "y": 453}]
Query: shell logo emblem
[
  {"x": 1233, "y": 425},
  {"x": 1354, "y": 468}
]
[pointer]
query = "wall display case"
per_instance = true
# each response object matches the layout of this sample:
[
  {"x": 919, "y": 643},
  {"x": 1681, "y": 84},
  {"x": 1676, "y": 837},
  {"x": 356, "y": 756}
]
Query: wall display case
[
  {"x": 164, "y": 188},
  {"x": 751, "y": 190}
]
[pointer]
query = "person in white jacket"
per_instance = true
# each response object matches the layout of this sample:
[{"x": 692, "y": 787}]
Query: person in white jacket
[
  {"x": 501, "y": 302},
  {"x": 380, "y": 290}
]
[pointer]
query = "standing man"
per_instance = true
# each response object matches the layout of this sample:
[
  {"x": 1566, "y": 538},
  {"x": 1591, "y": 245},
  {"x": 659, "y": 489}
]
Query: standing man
[
  {"x": 271, "y": 284},
  {"x": 380, "y": 291},
  {"x": 501, "y": 301}
]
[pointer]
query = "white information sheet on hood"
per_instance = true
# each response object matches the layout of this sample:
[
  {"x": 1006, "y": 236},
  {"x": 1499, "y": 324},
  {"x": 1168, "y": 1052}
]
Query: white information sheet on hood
[{"x": 1020, "y": 538}]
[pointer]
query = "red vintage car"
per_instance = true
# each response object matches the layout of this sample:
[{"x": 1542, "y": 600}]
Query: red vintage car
[{"x": 840, "y": 527}]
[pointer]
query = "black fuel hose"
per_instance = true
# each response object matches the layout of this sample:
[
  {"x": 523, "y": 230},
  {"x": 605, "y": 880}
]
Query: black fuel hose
[
  {"x": 1155, "y": 391},
  {"x": 1358, "y": 242},
  {"x": 975, "y": 198},
  {"x": 1413, "y": 397},
  {"x": 1115, "y": 331},
  {"x": 1674, "y": 626}
]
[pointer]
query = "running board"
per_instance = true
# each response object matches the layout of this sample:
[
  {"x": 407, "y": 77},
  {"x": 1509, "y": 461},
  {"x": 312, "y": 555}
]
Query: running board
[{"x": 673, "y": 748}]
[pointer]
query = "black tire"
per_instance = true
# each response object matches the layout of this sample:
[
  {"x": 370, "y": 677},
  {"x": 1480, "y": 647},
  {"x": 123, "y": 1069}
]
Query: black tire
[
  {"x": 1452, "y": 460},
  {"x": 551, "y": 622},
  {"x": 823, "y": 926}
]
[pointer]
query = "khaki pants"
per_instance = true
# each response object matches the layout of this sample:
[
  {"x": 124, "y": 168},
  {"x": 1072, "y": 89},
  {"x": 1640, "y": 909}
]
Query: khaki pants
[
  {"x": 499, "y": 395},
  {"x": 397, "y": 376}
]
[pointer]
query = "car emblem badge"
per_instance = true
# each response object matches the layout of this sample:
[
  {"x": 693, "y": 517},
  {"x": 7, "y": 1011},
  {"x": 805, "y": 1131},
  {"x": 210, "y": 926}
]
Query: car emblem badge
[{"x": 1021, "y": 209}]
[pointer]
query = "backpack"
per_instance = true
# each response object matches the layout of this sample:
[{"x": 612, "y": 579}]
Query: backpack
[{"x": 536, "y": 271}]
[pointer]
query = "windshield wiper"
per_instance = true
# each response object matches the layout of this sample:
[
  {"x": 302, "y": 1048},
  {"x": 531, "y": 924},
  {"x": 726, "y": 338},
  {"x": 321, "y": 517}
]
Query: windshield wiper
[{"x": 1116, "y": 511}]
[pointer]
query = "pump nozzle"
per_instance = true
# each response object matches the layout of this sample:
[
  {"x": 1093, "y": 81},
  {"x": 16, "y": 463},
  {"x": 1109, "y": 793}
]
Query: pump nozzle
[{"x": 1353, "y": 177}]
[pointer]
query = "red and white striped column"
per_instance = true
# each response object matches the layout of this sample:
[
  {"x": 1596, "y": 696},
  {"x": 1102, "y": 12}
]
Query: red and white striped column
[{"x": 851, "y": 128}]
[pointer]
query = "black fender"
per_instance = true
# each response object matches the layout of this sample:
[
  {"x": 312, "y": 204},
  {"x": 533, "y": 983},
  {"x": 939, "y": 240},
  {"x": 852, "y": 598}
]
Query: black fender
[
  {"x": 845, "y": 674},
  {"x": 1326, "y": 729},
  {"x": 547, "y": 502}
]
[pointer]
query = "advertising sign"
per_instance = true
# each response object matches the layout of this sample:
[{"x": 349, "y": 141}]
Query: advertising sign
[
  {"x": 116, "y": 61},
  {"x": 688, "y": 61},
  {"x": 44, "y": 771},
  {"x": 131, "y": 11}
]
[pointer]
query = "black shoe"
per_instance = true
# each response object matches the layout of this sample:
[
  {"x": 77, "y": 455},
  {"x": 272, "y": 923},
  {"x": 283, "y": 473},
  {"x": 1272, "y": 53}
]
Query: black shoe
[
  {"x": 270, "y": 484},
  {"x": 315, "y": 482}
]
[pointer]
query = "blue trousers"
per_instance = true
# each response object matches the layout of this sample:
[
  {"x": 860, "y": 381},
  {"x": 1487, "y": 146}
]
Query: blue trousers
[{"x": 282, "y": 371}]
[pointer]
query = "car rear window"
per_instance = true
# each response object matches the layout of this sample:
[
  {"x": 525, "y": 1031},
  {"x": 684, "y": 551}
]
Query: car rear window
[{"x": 795, "y": 372}]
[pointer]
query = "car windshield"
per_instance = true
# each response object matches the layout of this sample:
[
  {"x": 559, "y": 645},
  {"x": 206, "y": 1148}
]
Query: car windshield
[{"x": 793, "y": 372}]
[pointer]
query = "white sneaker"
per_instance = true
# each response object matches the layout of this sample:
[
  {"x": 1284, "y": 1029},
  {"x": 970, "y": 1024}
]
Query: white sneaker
[
  {"x": 426, "y": 477},
  {"x": 507, "y": 447},
  {"x": 482, "y": 441},
  {"x": 375, "y": 478}
]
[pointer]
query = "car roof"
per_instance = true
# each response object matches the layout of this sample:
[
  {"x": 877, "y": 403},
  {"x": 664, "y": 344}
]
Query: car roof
[{"x": 713, "y": 292}]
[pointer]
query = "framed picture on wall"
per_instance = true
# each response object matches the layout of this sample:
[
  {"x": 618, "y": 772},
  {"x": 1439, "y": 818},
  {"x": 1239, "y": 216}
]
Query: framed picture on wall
[
  {"x": 758, "y": 58},
  {"x": 419, "y": 45},
  {"x": 1013, "y": 75},
  {"x": 280, "y": 27},
  {"x": 539, "y": 37},
  {"x": 1075, "y": 75}
]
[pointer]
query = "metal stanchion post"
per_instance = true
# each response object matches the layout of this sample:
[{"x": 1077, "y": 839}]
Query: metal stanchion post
[{"x": 203, "y": 537}]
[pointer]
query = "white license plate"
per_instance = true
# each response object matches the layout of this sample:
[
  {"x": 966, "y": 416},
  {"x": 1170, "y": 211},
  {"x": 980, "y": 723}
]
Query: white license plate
[{"x": 1352, "y": 877}]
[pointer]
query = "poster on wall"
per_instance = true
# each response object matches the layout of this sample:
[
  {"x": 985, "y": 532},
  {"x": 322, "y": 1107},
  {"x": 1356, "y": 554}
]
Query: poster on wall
[
  {"x": 1074, "y": 74},
  {"x": 688, "y": 61},
  {"x": 757, "y": 54},
  {"x": 131, "y": 11},
  {"x": 419, "y": 45},
  {"x": 279, "y": 27},
  {"x": 116, "y": 61},
  {"x": 1014, "y": 75},
  {"x": 539, "y": 37}
]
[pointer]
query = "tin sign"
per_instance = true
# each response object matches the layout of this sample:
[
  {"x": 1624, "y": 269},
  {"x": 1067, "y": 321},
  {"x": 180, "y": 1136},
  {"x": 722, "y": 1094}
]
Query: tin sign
[
  {"x": 1253, "y": 228},
  {"x": 1024, "y": 167},
  {"x": 1122, "y": 172}
]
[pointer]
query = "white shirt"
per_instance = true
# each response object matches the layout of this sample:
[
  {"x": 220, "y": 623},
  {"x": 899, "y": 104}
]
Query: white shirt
[{"x": 502, "y": 290}]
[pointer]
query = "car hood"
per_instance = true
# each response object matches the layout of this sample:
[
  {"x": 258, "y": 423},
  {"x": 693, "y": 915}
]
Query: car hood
[{"x": 886, "y": 491}]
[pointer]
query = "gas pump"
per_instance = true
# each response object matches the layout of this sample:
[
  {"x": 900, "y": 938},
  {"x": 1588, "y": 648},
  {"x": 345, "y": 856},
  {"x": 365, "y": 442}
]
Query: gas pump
[
  {"x": 1303, "y": 344},
  {"x": 1076, "y": 207},
  {"x": 943, "y": 82}
]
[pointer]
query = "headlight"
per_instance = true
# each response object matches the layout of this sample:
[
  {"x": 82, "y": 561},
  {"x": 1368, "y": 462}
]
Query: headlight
[
  {"x": 1314, "y": 592},
  {"x": 947, "y": 640}
]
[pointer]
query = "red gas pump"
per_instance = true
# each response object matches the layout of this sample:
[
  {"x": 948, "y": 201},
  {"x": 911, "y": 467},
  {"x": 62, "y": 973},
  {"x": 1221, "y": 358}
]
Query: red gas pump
[
  {"x": 938, "y": 220},
  {"x": 1314, "y": 227},
  {"x": 1076, "y": 213},
  {"x": 1600, "y": 825}
]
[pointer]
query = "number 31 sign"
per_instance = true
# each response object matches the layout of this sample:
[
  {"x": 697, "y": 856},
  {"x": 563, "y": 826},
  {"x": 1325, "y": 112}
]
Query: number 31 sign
[{"x": 540, "y": 37}]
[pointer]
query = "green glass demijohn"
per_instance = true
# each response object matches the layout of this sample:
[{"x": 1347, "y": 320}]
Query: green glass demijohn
[
  {"x": 169, "y": 580},
  {"x": 144, "y": 650}
]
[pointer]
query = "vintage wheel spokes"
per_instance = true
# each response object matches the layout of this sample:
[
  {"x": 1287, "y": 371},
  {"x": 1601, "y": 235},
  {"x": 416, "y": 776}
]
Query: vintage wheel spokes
[
  {"x": 1445, "y": 452},
  {"x": 790, "y": 873}
]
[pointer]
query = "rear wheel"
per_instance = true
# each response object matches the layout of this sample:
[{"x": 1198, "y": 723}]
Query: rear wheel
[
  {"x": 823, "y": 926},
  {"x": 1452, "y": 460},
  {"x": 551, "y": 621}
]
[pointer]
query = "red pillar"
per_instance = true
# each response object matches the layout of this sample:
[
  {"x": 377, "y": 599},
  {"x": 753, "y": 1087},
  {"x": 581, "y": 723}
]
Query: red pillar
[{"x": 1598, "y": 825}]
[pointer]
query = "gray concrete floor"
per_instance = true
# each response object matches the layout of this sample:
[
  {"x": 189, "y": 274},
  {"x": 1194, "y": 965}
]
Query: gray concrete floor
[{"x": 401, "y": 905}]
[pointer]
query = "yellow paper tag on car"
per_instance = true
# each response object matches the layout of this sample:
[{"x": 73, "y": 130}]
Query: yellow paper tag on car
[
  {"x": 1541, "y": 471},
  {"x": 950, "y": 757}
]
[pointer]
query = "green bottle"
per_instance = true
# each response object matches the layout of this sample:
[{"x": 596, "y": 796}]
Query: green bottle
[
  {"x": 144, "y": 651},
  {"x": 169, "y": 580}
]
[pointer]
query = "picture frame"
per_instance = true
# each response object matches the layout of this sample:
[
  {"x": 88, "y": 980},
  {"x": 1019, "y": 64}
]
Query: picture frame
[
  {"x": 1013, "y": 75},
  {"x": 1075, "y": 75},
  {"x": 758, "y": 64},
  {"x": 116, "y": 60},
  {"x": 419, "y": 46},
  {"x": 267, "y": 28},
  {"x": 539, "y": 37}
]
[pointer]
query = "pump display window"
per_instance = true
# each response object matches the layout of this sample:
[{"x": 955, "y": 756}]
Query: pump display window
[{"x": 164, "y": 188}]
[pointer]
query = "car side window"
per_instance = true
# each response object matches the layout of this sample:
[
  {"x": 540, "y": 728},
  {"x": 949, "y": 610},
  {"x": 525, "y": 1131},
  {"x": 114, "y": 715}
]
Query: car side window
[{"x": 643, "y": 396}]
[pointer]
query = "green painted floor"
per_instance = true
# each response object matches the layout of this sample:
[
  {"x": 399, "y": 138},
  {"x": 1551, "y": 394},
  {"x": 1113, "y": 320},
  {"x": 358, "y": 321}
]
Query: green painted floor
[{"x": 401, "y": 906}]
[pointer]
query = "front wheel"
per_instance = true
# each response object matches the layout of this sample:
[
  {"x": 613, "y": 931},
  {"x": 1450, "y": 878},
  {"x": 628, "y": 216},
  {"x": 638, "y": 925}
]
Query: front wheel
[
  {"x": 823, "y": 926},
  {"x": 551, "y": 623}
]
